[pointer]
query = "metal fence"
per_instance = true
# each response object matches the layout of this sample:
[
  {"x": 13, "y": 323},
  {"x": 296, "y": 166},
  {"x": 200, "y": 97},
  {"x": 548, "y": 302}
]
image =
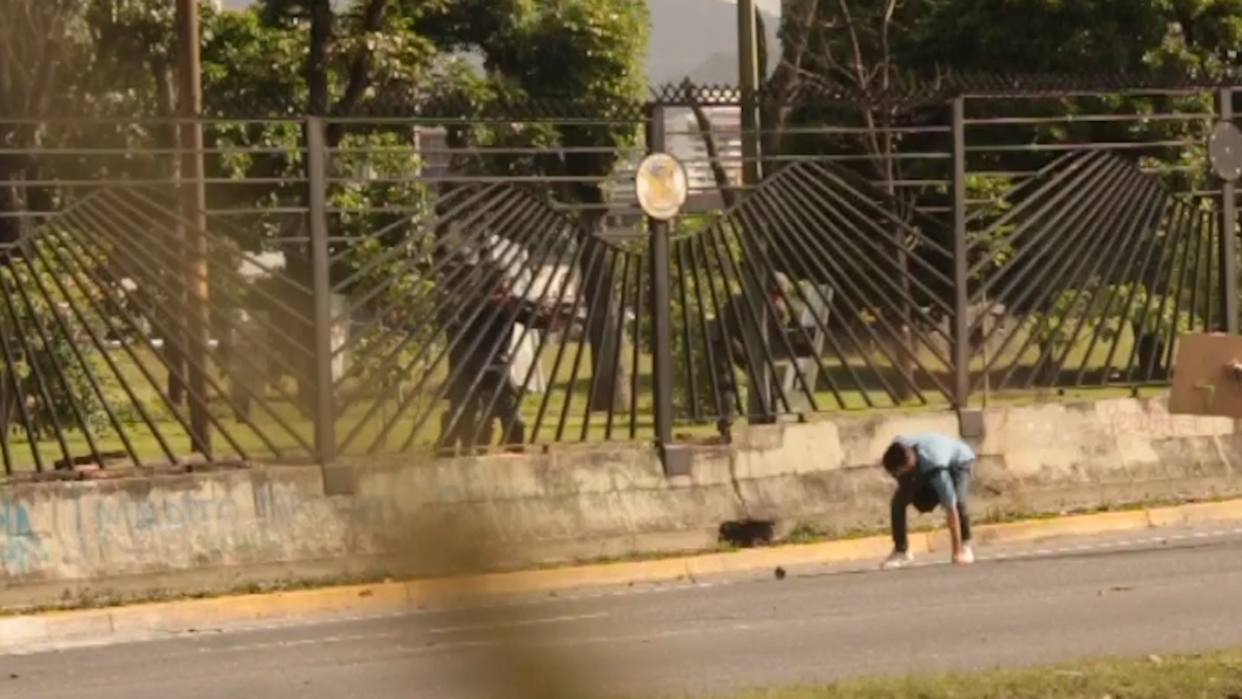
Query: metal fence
[{"x": 452, "y": 282}]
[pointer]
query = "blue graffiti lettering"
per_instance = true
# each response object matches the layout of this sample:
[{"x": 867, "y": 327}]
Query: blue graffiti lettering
[{"x": 21, "y": 550}]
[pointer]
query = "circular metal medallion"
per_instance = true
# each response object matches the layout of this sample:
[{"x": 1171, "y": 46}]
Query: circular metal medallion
[
  {"x": 662, "y": 186},
  {"x": 1225, "y": 150}
]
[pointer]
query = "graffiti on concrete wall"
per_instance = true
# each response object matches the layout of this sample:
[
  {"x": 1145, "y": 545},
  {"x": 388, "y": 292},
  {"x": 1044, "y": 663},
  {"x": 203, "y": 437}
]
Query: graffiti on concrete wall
[
  {"x": 84, "y": 533},
  {"x": 215, "y": 526},
  {"x": 21, "y": 549},
  {"x": 1127, "y": 419},
  {"x": 125, "y": 522}
]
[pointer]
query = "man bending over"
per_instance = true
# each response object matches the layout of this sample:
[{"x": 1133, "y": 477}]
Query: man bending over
[{"x": 930, "y": 470}]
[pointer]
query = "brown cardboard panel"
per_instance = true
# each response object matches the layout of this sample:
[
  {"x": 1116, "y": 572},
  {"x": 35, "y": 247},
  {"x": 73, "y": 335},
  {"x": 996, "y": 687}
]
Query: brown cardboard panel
[{"x": 1201, "y": 383}]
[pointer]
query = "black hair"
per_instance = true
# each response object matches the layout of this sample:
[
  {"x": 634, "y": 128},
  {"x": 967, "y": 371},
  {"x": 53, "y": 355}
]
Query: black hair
[{"x": 896, "y": 457}]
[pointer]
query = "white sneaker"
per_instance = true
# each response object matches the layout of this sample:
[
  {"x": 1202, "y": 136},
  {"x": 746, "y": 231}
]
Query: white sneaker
[
  {"x": 967, "y": 557},
  {"x": 898, "y": 559}
]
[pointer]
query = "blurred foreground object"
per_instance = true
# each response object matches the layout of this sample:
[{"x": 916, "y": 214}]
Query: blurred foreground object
[{"x": 1207, "y": 376}]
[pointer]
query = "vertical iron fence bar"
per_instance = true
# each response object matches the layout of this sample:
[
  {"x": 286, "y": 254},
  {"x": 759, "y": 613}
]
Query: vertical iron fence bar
[
  {"x": 598, "y": 298},
  {"x": 1210, "y": 271},
  {"x": 1187, "y": 277},
  {"x": 723, "y": 323},
  {"x": 1205, "y": 228},
  {"x": 1228, "y": 233},
  {"x": 10, "y": 366},
  {"x": 596, "y": 361},
  {"x": 759, "y": 397},
  {"x": 194, "y": 214},
  {"x": 687, "y": 334},
  {"x": 748, "y": 71},
  {"x": 712, "y": 367},
  {"x": 1175, "y": 286},
  {"x": 316, "y": 175},
  {"x": 4, "y": 446},
  {"x": 1211, "y": 283},
  {"x": 661, "y": 305},
  {"x": 961, "y": 332},
  {"x": 618, "y": 340},
  {"x": 636, "y": 351},
  {"x": 758, "y": 409}
]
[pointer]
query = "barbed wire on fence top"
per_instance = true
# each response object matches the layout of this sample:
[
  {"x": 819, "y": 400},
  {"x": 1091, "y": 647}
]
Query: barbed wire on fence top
[
  {"x": 900, "y": 93},
  {"x": 904, "y": 93}
]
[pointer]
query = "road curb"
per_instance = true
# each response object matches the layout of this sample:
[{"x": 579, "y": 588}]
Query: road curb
[{"x": 396, "y": 597}]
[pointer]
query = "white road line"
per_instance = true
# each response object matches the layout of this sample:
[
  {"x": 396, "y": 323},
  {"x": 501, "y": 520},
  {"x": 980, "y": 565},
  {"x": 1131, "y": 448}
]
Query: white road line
[
  {"x": 305, "y": 642},
  {"x": 518, "y": 624}
]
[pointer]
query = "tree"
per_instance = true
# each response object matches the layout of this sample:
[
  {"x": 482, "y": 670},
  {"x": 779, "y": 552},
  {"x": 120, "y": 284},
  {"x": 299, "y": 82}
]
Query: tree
[
  {"x": 849, "y": 47},
  {"x": 397, "y": 56},
  {"x": 584, "y": 53},
  {"x": 37, "y": 39},
  {"x": 863, "y": 50}
]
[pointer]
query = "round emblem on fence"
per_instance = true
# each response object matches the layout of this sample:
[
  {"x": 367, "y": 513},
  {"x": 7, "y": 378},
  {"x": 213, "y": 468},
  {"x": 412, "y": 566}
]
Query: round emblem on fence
[
  {"x": 662, "y": 186},
  {"x": 1225, "y": 150}
]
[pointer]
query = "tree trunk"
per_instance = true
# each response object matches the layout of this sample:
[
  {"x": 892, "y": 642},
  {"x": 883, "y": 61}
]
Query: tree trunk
[{"x": 10, "y": 203}]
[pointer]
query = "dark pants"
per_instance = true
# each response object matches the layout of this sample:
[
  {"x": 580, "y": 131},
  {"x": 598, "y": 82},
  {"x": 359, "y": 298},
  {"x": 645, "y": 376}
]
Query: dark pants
[
  {"x": 916, "y": 491},
  {"x": 475, "y": 424}
]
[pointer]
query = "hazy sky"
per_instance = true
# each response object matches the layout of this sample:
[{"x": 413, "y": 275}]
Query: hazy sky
[{"x": 772, "y": 7}]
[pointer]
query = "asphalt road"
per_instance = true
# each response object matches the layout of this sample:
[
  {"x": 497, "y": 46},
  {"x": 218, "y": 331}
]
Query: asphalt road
[{"x": 1101, "y": 597}]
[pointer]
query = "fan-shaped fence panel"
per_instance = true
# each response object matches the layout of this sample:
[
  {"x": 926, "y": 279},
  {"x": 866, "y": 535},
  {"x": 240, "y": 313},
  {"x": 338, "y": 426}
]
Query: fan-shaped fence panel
[
  {"x": 101, "y": 366},
  {"x": 496, "y": 322},
  {"x": 814, "y": 293},
  {"x": 1089, "y": 277}
]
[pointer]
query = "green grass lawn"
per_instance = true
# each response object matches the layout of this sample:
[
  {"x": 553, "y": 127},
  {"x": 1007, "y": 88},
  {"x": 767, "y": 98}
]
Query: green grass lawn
[
  {"x": 283, "y": 431},
  {"x": 1215, "y": 676}
]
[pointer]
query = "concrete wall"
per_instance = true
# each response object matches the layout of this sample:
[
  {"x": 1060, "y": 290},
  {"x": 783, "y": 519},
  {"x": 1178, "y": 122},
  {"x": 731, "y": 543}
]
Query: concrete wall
[{"x": 132, "y": 537}]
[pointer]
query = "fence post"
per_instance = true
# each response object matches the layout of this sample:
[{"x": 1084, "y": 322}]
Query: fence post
[
  {"x": 316, "y": 173},
  {"x": 761, "y": 405},
  {"x": 661, "y": 305},
  {"x": 1228, "y": 233},
  {"x": 961, "y": 298},
  {"x": 194, "y": 226}
]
